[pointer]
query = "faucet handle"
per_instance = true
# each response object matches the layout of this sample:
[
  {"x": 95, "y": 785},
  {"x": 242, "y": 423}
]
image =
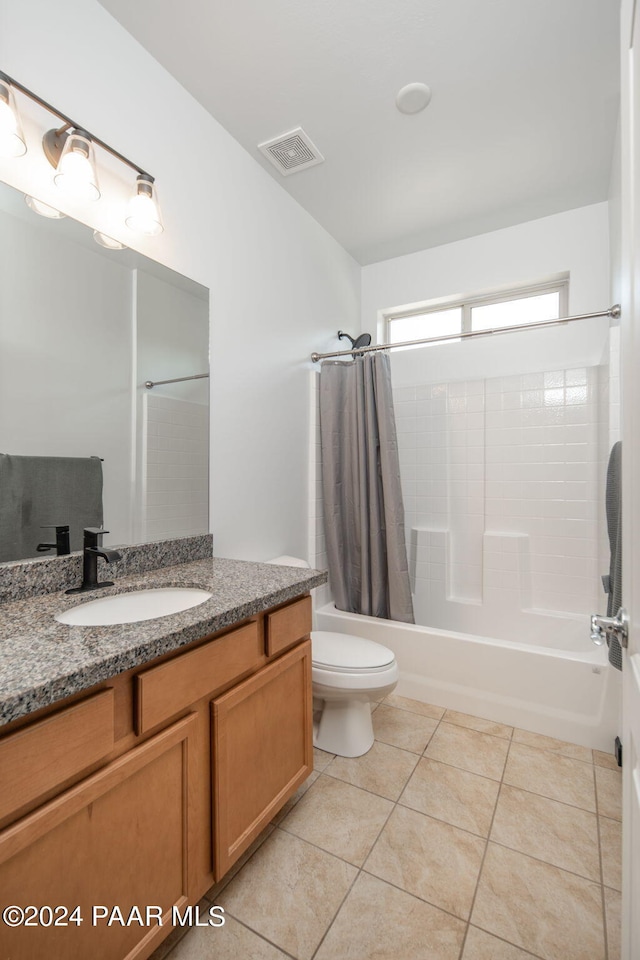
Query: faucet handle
[
  {"x": 62, "y": 539},
  {"x": 92, "y": 536}
]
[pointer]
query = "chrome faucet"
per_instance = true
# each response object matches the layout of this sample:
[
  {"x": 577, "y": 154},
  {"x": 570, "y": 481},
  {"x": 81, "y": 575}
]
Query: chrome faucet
[
  {"x": 91, "y": 551},
  {"x": 610, "y": 627}
]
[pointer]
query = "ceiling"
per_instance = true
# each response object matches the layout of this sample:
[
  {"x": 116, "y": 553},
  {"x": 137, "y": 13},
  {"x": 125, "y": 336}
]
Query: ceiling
[{"x": 521, "y": 124}]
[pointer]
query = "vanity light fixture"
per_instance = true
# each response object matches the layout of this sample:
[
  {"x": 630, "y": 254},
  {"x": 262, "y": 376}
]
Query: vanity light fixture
[
  {"x": 70, "y": 150},
  {"x": 43, "y": 209},
  {"x": 12, "y": 142},
  {"x": 73, "y": 157},
  {"x": 108, "y": 242},
  {"x": 144, "y": 212}
]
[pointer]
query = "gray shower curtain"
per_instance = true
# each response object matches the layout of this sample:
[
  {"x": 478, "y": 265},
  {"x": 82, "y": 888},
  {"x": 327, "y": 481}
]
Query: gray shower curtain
[{"x": 364, "y": 513}]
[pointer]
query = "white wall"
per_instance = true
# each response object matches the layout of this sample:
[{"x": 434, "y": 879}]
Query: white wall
[
  {"x": 280, "y": 285},
  {"x": 615, "y": 233},
  {"x": 576, "y": 242},
  {"x": 615, "y": 220}
]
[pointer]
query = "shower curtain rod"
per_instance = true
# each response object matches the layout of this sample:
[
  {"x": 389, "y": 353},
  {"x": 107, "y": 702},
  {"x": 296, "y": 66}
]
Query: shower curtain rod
[
  {"x": 613, "y": 312},
  {"x": 150, "y": 384}
]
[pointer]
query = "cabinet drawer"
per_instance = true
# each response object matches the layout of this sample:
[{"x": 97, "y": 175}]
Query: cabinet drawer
[
  {"x": 288, "y": 625},
  {"x": 177, "y": 684},
  {"x": 37, "y": 758}
]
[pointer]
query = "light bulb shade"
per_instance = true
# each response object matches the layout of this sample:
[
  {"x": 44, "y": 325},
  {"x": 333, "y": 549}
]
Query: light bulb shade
[
  {"x": 144, "y": 210},
  {"x": 43, "y": 208},
  {"x": 76, "y": 170},
  {"x": 107, "y": 242},
  {"x": 12, "y": 142}
]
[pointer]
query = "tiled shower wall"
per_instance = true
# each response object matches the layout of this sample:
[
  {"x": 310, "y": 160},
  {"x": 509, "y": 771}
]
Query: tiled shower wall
[
  {"x": 175, "y": 497},
  {"x": 502, "y": 480}
]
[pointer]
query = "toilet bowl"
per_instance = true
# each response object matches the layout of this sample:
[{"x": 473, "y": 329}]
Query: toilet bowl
[{"x": 348, "y": 674}]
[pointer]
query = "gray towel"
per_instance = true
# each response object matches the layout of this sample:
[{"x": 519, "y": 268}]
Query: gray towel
[
  {"x": 37, "y": 491},
  {"x": 613, "y": 583}
]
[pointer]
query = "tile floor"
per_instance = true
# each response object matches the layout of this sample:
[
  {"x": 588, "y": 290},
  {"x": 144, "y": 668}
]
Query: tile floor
[{"x": 454, "y": 838}]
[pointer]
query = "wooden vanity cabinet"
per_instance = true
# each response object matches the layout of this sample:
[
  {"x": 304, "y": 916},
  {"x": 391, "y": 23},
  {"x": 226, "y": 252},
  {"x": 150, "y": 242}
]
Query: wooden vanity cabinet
[
  {"x": 262, "y": 751},
  {"x": 166, "y": 775},
  {"x": 120, "y": 838}
]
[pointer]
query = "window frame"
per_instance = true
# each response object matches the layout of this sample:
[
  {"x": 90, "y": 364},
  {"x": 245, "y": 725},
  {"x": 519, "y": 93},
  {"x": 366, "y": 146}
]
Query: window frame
[{"x": 466, "y": 304}]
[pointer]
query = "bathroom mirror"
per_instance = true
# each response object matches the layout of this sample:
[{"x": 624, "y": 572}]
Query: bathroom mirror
[{"x": 81, "y": 330}]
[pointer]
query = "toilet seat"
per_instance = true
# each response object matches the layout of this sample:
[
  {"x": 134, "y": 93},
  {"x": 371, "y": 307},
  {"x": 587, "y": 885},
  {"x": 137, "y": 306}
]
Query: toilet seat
[
  {"x": 343, "y": 652},
  {"x": 341, "y": 661}
]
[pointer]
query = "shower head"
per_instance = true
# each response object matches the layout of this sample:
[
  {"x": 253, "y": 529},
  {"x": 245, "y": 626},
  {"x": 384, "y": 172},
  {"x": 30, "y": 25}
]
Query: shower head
[{"x": 362, "y": 341}]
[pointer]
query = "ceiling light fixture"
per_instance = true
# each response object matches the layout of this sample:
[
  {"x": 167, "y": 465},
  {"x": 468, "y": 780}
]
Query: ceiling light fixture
[
  {"x": 144, "y": 211},
  {"x": 70, "y": 150},
  {"x": 43, "y": 209},
  {"x": 12, "y": 142},
  {"x": 413, "y": 98}
]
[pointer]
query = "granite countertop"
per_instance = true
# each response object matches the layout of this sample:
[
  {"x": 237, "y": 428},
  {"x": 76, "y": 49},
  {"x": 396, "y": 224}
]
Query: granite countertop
[{"x": 43, "y": 661}]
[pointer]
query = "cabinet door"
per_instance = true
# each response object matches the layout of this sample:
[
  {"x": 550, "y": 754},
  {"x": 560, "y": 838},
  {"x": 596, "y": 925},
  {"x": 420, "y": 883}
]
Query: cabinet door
[
  {"x": 120, "y": 838},
  {"x": 262, "y": 751}
]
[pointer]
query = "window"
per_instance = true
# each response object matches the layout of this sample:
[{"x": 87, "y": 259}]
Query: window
[{"x": 513, "y": 308}]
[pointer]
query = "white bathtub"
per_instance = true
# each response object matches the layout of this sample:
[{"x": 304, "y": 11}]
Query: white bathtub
[{"x": 572, "y": 694}]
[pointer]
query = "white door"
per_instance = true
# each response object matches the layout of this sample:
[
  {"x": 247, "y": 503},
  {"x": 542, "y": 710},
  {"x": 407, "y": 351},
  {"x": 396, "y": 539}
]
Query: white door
[{"x": 630, "y": 323}]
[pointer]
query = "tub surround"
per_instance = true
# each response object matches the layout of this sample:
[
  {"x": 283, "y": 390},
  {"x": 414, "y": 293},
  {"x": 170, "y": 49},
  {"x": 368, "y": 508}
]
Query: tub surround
[
  {"x": 43, "y": 661},
  {"x": 41, "y": 575},
  {"x": 571, "y": 694}
]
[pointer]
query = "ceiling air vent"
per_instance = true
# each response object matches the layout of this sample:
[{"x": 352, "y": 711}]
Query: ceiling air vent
[{"x": 291, "y": 152}]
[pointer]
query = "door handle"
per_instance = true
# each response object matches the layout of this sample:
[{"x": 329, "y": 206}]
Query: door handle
[{"x": 610, "y": 627}]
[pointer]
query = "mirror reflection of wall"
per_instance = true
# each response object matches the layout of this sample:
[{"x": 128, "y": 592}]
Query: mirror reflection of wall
[
  {"x": 73, "y": 319},
  {"x": 172, "y": 418}
]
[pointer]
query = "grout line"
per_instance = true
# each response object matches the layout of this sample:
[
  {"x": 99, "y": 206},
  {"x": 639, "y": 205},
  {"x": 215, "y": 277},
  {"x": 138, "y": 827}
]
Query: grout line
[
  {"x": 486, "y": 848},
  {"x": 262, "y": 937},
  {"x": 358, "y": 867},
  {"x": 528, "y": 953},
  {"x": 547, "y": 863},
  {"x": 340, "y": 906},
  {"x": 415, "y": 896},
  {"x": 361, "y": 869},
  {"x": 327, "y": 853},
  {"x": 543, "y": 796},
  {"x": 455, "y": 766}
]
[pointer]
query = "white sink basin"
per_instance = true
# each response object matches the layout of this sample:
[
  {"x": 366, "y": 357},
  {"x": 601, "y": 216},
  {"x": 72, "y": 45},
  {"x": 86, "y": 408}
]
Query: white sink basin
[{"x": 133, "y": 607}]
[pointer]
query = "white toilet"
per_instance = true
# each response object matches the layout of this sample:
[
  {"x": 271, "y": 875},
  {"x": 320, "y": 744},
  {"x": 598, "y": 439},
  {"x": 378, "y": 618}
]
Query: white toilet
[{"x": 348, "y": 673}]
